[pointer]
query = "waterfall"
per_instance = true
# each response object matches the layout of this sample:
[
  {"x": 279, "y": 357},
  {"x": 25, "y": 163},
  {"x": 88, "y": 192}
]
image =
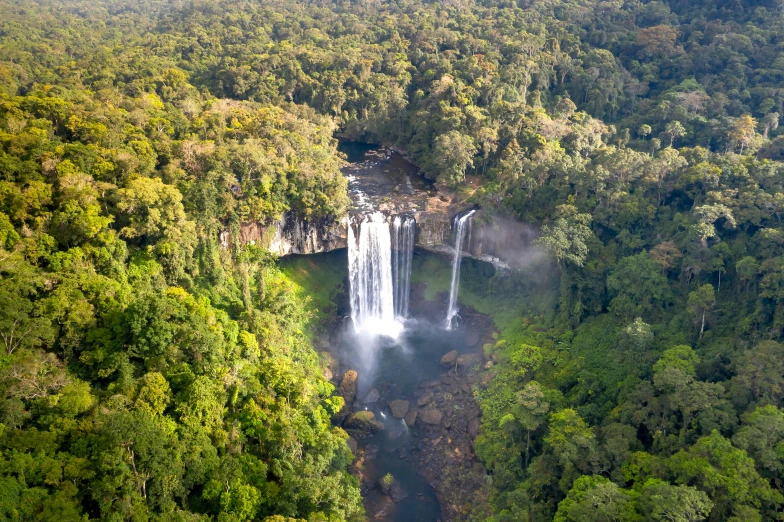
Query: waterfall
[
  {"x": 403, "y": 230},
  {"x": 459, "y": 228},
  {"x": 370, "y": 277}
]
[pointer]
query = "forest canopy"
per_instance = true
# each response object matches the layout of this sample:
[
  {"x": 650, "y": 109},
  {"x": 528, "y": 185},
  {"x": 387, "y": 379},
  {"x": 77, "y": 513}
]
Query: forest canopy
[{"x": 150, "y": 370}]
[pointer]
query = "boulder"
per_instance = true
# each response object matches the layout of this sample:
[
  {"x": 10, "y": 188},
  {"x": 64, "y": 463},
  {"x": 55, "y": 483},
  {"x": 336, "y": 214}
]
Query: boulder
[
  {"x": 449, "y": 358},
  {"x": 468, "y": 360},
  {"x": 425, "y": 399},
  {"x": 473, "y": 428},
  {"x": 372, "y": 396},
  {"x": 363, "y": 422},
  {"x": 411, "y": 417},
  {"x": 352, "y": 445},
  {"x": 430, "y": 416},
  {"x": 348, "y": 386},
  {"x": 399, "y": 408},
  {"x": 391, "y": 487},
  {"x": 327, "y": 373}
]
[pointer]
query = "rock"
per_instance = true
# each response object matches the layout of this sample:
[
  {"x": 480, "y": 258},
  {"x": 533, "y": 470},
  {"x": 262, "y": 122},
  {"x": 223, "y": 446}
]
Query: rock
[
  {"x": 425, "y": 399},
  {"x": 327, "y": 373},
  {"x": 352, "y": 445},
  {"x": 391, "y": 487},
  {"x": 450, "y": 358},
  {"x": 348, "y": 386},
  {"x": 446, "y": 422},
  {"x": 396, "y": 430},
  {"x": 372, "y": 396},
  {"x": 364, "y": 422},
  {"x": 399, "y": 408},
  {"x": 473, "y": 338},
  {"x": 411, "y": 417},
  {"x": 473, "y": 428},
  {"x": 430, "y": 416},
  {"x": 468, "y": 360},
  {"x": 385, "y": 510}
]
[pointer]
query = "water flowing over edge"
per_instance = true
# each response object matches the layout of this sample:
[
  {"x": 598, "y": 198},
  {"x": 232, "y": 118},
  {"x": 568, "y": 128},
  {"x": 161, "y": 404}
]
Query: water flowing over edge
[
  {"x": 454, "y": 287},
  {"x": 374, "y": 307},
  {"x": 403, "y": 232}
]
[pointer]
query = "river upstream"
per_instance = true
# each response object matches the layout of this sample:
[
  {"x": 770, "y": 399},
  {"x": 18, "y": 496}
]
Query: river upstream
[{"x": 406, "y": 366}]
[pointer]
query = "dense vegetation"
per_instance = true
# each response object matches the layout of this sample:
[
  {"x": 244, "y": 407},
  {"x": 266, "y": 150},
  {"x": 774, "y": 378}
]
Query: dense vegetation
[{"x": 153, "y": 368}]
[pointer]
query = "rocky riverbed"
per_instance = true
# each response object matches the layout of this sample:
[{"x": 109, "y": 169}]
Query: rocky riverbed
[{"x": 413, "y": 418}]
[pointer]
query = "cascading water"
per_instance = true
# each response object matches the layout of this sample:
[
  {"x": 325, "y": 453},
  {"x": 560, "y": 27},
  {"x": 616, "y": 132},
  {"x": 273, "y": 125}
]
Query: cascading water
[
  {"x": 370, "y": 277},
  {"x": 459, "y": 228},
  {"x": 403, "y": 230}
]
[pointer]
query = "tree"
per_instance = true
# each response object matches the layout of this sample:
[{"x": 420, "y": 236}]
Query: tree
[
  {"x": 658, "y": 40},
  {"x": 573, "y": 443},
  {"x": 636, "y": 338},
  {"x": 22, "y": 321},
  {"x": 153, "y": 214},
  {"x": 664, "y": 502},
  {"x": 743, "y": 131},
  {"x": 530, "y": 412},
  {"x": 566, "y": 238},
  {"x": 708, "y": 215},
  {"x": 636, "y": 287},
  {"x": 674, "y": 130},
  {"x": 681, "y": 393},
  {"x": 487, "y": 138},
  {"x": 760, "y": 375},
  {"x": 701, "y": 303},
  {"x": 453, "y": 153},
  {"x": 596, "y": 499},
  {"x": 727, "y": 475},
  {"x": 762, "y": 437},
  {"x": 770, "y": 123},
  {"x": 748, "y": 271}
]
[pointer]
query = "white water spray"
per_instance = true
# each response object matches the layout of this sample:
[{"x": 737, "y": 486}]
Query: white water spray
[
  {"x": 453, "y": 289},
  {"x": 403, "y": 230},
  {"x": 370, "y": 277}
]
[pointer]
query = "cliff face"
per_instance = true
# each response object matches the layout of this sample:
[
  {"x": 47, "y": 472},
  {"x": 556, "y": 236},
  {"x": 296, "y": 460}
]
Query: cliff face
[
  {"x": 296, "y": 235},
  {"x": 502, "y": 242}
]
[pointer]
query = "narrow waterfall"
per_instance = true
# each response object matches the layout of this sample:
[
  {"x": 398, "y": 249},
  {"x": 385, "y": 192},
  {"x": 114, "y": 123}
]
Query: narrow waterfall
[
  {"x": 370, "y": 277},
  {"x": 403, "y": 230},
  {"x": 459, "y": 228}
]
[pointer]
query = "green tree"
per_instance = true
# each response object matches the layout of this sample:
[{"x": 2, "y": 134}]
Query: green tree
[
  {"x": 566, "y": 238},
  {"x": 661, "y": 501},
  {"x": 596, "y": 499},
  {"x": 453, "y": 153}
]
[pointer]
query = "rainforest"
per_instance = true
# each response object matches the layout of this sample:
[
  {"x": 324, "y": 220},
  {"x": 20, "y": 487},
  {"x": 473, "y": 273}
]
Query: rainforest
[{"x": 396, "y": 260}]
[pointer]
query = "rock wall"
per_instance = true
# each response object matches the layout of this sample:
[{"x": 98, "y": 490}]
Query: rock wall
[
  {"x": 296, "y": 235},
  {"x": 504, "y": 242}
]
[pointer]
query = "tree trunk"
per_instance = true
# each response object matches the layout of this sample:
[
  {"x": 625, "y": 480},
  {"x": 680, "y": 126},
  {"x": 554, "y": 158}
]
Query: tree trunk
[{"x": 702, "y": 328}]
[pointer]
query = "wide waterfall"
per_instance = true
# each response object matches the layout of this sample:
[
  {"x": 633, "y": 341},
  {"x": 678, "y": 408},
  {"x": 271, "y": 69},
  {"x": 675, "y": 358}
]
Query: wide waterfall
[
  {"x": 370, "y": 277},
  {"x": 403, "y": 230},
  {"x": 459, "y": 228}
]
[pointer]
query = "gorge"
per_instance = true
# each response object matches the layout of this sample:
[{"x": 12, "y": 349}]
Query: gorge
[{"x": 405, "y": 373}]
